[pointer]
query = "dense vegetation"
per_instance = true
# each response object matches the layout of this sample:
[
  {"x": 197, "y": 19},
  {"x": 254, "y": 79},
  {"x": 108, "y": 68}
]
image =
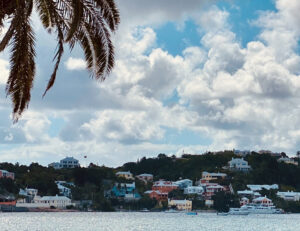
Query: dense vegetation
[{"x": 92, "y": 182}]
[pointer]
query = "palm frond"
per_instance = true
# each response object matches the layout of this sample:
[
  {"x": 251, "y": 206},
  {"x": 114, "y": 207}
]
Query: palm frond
[
  {"x": 20, "y": 80},
  {"x": 87, "y": 22}
]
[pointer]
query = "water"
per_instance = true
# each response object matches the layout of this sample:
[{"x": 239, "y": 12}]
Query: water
[{"x": 145, "y": 221}]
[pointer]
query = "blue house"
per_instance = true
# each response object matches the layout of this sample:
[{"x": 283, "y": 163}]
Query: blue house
[{"x": 125, "y": 191}]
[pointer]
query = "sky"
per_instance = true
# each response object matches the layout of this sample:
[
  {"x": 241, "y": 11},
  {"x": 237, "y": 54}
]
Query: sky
[{"x": 190, "y": 77}]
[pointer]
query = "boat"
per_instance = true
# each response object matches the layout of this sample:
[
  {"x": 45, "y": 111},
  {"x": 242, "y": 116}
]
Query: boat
[
  {"x": 222, "y": 214},
  {"x": 261, "y": 209},
  {"x": 172, "y": 211},
  {"x": 191, "y": 213},
  {"x": 144, "y": 210},
  {"x": 254, "y": 209}
]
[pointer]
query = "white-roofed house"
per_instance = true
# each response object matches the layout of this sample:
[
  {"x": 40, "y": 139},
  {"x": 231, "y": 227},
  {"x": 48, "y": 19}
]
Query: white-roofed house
[
  {"x": 289, "y": 196},
  {"x": 239, "y": 164},
  {"x": 182, "y": 184},
  {"x": 69, "y": 162},
  {"x": 257, "y": 187},
  {"x": 288, "y": 160},
  {"x": 145, "y": 177},
  {"x": 56, "y": 201},
  {"x": 264, "y": 201},
  {"x": 243, "y": 193},
  {"x": 213, "y": 176},
  {"x": 63, "y": 190},
  {"x": 127, "y": 175},
  {"x": 198, "y": 190}
]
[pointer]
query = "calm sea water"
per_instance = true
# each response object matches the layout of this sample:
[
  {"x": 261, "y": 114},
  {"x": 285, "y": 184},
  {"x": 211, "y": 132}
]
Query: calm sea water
[{"x": 146, "y": 221}]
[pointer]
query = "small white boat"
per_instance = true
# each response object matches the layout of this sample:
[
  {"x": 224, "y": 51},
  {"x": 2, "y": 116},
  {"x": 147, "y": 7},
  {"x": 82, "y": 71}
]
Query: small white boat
[
  {"x": 145, "y": 210},
  {"x": 222, "y": 214},
  {"x": 172, "y": 211}
]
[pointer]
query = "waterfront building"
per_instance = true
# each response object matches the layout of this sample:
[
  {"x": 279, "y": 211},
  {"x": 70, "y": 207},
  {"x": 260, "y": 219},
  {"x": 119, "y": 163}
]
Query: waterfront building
[
  {"x": 7, "y": 201},
  {"x": 145, "y": 177},
  {"x": 263, "y": 201},
  {"x": 185, "y": 205},
  {"x": 182, "y": 184},
  {"x": 198, "y": 190},
  {"x": 127, "y": 175},
  {"x": 56, "y": 201},
  {"x": 6, "y": 174},
  {"x": 239, "y": 164}
]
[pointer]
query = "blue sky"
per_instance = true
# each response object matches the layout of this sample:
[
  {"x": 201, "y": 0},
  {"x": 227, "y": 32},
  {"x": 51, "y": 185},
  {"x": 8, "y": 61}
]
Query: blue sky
[{"x": 193, "y": 76}]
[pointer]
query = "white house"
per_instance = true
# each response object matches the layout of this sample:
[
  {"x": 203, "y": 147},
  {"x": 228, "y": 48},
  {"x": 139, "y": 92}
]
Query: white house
[
  {"x": 56, "y": 201},
  {"x": 245, "y": 193},
  {"x": 184, "y": 183},
  {"x": 239, "y": 164},
  {"x": 289, "y": 196},
  {"x": 255, "y": 187},
  {"x": 199, "y": 190},
  {"x": 127, "y": 175},
  {"x": 63, "y": 190},
  {"x": 68, "y": 162},
  {"x": 28, "y": 192},
  {"x": 287, "y": 160}
]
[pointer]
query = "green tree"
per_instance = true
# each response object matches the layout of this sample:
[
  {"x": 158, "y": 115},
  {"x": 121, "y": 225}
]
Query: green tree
[
  {"x": 223, "y": 201},
  {"x": 87, "y": 22}
]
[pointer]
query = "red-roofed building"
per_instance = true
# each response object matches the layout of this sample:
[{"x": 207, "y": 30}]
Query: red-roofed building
[
  {"x": 159, "y": 196},
  {"x": 164, "y": 186}
]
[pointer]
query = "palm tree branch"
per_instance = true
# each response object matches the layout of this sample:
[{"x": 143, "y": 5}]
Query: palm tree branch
[{"x": 22, "y": 71}]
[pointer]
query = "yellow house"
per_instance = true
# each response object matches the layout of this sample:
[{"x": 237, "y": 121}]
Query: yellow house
[
  {"x": 181, "y": 204},
  {"x": 126, "y": 175},
  {"x": 213, "y": 176}
]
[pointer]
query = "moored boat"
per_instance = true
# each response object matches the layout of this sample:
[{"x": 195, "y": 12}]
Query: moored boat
[{"x": 191, "y": 213}]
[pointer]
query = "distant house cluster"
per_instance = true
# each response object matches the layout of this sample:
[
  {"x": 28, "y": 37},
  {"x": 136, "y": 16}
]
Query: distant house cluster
[
  {"x": 252, "y": 194},
  {"x": 29, "y": 198},
  {"x": 68, "y": 162}
]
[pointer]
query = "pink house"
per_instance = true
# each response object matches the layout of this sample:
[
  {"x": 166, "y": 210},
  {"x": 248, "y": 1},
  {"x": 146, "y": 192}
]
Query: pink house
[{"x": 6, "y": 174}]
